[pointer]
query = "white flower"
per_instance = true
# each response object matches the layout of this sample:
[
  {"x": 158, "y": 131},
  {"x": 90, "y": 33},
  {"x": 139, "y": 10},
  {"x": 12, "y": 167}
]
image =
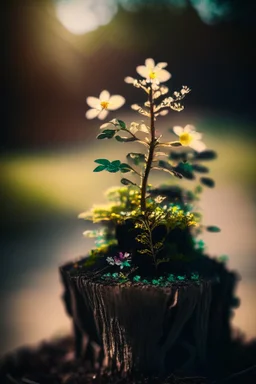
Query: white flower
[
  {"x": 152, "y": 72},
  {"x": 100, "y": 106},
  {"x": 189, "y": 137}
]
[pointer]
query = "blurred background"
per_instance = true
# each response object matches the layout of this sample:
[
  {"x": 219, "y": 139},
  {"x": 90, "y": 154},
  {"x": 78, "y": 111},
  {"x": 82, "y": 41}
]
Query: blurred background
[{"x": 58, "y": 52}]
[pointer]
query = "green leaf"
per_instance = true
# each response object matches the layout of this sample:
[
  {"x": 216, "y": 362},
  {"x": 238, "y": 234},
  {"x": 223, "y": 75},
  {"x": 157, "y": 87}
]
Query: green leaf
[
  {"x": 213, "y": 228},
  {"x": 206, "y": 155},
  {"x": 100, "y": 168},
  {"x": 125, "y": 181},
  {"x": 116, "y": 163},
  {"x": 124, "y": 168},
  {"x": 102, "y": 161},
  {"x": 178, "y": 156},
  {"x": 200, "y": 168},
  {"x": 176, "y": 144},
  {"x": 101, "y": 136},
  {"x": 124, "y": 139},
  {"x": 185, "y": 170},
  {"x": 112, "y": 169},
  {"x": 122, "y": 124},
  {"x": 106, "y": 134},
  {"x": 166, "y": 166},
  {"x": 207, "y": 181},
  {"x": 223, "y": 258}
]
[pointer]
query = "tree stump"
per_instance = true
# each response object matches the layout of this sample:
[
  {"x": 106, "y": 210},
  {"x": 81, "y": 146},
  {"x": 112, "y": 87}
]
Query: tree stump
[{"x": 151, "y": 329}]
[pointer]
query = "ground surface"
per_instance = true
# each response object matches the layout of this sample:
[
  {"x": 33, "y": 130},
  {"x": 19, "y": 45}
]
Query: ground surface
[{"x": 53, "y": 363}]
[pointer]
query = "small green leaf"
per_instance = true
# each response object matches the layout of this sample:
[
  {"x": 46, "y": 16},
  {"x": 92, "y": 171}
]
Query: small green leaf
[
  {"x": 178, "y": 156},
  {"x": 200, "y": 168},
  {"x": 112, "y": 169},
  {"x": 106, "y": 134},
  {"x": 101, "y": 136},
  {"x": 102, "y": 161},
  {"x": 124, "y": 139},
  {"x": 223, "y": 258},
  {"x": 213, "y": 228},
  {"x": 124, "y": 168},
  {"x": 100, "y": 168},
  {"x": 206, "y": 155},
  {"x": 194, "y": 276},
  {"x": 122, "y": 124},
  {"x": 207, "y": 181},
  {"x": 116, "y": 163},
  {"x": 175, "y": 144},
  {"x": 185, "y": 170},
  {"x": 127, "y": 182}
]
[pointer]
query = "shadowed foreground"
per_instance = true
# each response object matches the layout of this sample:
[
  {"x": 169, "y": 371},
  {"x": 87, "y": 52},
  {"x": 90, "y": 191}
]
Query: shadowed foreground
[{"x": 54, "y": 363}]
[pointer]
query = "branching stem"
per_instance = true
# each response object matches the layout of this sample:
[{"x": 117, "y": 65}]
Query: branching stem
[{"x": 150, "y": 152}]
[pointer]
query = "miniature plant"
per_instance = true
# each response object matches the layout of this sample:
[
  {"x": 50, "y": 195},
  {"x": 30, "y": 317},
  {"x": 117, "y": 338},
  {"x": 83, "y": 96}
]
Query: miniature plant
[{"x": 154, "y": 224}]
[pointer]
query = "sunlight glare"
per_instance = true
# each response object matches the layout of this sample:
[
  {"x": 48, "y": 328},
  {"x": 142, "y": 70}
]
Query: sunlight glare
[{"x": 82, "y": 16}]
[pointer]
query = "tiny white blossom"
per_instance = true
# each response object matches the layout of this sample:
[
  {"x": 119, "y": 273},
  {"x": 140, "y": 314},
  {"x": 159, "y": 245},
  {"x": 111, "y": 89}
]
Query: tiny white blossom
[
  {"x": 102, "y": 105},
  {"x": 153, "y": 73},
  {"x": 188, "y": 137}
]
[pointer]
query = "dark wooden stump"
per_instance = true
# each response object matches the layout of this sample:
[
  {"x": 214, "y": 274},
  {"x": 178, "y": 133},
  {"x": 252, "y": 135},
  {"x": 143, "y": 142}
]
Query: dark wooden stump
[{"x": 150, "y": 329}]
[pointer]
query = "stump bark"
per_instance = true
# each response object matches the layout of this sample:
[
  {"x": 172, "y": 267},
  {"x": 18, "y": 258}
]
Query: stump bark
[{"x": 153, "y": 330}]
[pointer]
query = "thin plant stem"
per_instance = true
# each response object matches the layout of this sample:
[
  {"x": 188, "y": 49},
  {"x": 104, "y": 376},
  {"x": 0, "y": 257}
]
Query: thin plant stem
[{"x": 150, "y": 152}]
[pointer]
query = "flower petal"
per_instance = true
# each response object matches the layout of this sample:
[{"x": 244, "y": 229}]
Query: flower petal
[
  {"x": 150, "y": 64},
  {"x": 189, "y": 128},
  {"x": 129, "y": 80},
  {"x": 198, "y": 145},
  {"x": 104, "y": 96},
  {"x": 92, "y": 113},
  {"x": 163, "y": 75},
  {"x": 178, "y": 130},
  {"x": 115, "y": 102},
  {"x": 142, "y": 71},
  {"x": 103, "y": 114},
  {"x": 93, "y": 102},
  {"x": 197, "y": 135},
  {"x": 161, "y": 65}
]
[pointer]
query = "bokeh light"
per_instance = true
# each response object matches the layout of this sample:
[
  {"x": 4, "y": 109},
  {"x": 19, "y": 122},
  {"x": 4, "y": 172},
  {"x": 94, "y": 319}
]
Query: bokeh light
[{"x": 81, "y": 16}]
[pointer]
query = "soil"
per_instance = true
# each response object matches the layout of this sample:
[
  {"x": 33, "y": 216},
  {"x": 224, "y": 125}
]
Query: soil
[{"x": 53, "y": 363}]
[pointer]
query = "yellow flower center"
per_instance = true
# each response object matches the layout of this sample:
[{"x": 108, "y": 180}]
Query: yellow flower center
[
  {"x": 152, "y": 75},
  {"x": 185, "y": 138},
  {"x": 104, "y": 104}
]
